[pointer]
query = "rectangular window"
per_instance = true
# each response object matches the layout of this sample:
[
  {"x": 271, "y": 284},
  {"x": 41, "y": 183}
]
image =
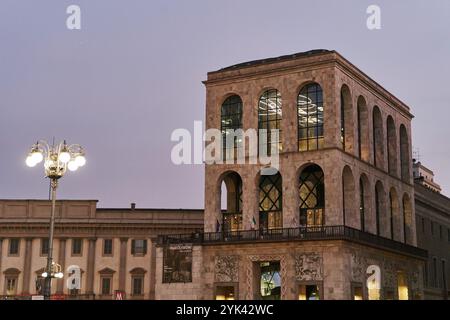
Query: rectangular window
[
  {"x": 309, "y": 292},
  {"x": 106, "y": 285},
  {"x": 107, "y": 247},
  {"x": 423, "y": 225},
  {"x": 435, "y": 272},
  {"x": 432, "y": 227},
  {"x": 444, "y": 276},
  {"x": 11, "y": 286},
  {"x": 448, "y": 235},
  {"x": 139, "y": 247},
  {"x": 137, "y": 282},
  {"x": 357, "y": 291},
  {"x": 44, "y": 246},
  {"x": 14, "y": 247},
  {"x": 77, "y": 245},
  {"x": 225, "y": 293},
  {"x": 440, "y": 232}
]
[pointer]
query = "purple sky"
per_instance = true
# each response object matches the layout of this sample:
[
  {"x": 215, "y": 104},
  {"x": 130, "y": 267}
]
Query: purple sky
[{"x": 133, "y": 74}]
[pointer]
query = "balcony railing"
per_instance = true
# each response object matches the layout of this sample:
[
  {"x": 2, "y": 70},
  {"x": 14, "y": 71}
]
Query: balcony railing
[{"x": 294, "y": 234}]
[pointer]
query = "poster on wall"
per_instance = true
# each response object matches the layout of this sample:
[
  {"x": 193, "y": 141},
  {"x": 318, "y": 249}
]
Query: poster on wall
[{"x": 177, "y": 263}]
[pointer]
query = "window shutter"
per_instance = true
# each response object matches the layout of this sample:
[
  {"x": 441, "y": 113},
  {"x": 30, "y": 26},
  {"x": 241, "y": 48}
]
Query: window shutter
[{"x": 133, "y": 246}]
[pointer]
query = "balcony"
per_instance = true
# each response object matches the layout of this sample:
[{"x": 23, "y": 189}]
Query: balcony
[{"x": 295, "y": 234}]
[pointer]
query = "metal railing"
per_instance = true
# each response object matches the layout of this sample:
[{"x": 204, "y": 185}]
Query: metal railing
[{"x": 294, "y": 234}]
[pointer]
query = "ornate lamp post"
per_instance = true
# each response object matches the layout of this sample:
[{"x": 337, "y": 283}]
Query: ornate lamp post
[{"x": 57, "y": 159}]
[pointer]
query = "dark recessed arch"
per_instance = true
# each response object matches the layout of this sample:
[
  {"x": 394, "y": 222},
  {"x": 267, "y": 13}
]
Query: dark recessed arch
[
  {"x": 391, "y": 146},
  {"x": 231, "y": 194},
  {"x": 378, "y": 138},
  {"x": 347, "y": 122},
  {"x": 405, "y": 154},
  {"x": 363, "y": 130}
]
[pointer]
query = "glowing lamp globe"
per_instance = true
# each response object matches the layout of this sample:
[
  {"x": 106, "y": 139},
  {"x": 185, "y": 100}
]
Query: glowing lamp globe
[
  {"x": 80, "y": 160},
  {"x": 30, "y": 161},
  {"x": 72, "y": 165},
  {"x": 64, "y": 157},
  {"x": 37, "y": 156}
]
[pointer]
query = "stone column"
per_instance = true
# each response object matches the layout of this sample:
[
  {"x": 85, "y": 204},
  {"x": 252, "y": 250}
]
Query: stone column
[
  {"x": 27, "y": 266},
  {"x": 123, "y": 263},
  {"x": 62, "y": 263},
  {"x": 1, "y": 253},
  {"x": 91, "y": 266},
  {"x": 152, "y": 273}
]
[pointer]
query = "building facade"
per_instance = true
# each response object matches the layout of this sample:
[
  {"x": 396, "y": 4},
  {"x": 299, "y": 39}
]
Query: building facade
[
  {"x": 340, "y": 205},
  {"x": 114, "y": 249}
]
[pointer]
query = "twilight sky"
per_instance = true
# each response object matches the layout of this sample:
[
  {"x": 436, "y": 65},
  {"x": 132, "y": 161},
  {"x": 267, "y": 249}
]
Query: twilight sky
[{"x": 132, "y": 74}]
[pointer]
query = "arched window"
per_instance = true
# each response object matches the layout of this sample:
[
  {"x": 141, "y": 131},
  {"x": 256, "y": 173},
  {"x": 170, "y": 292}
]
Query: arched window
[
  {"x": 232, "y": 206},
  {"x": 404, "y": 153},
  {"x": 407, "y": 219},
  {"x": 312, "y": 196},
  {"x": 350, "y": 215},
  {"x": 379, "y": 207},
  {"x": 362, "y": 206},
  {"x": 269, "y": 119},
  {"x": 310, "y": 117},
  {"x": 231, "y": 120},
  {"x": 270, "y": 201},
  {"x": 363, "y": 130},
  {"x": 378, "y": 140},
  {"x": 392, "y": 146},
  {"x": 346, "y": 120}
]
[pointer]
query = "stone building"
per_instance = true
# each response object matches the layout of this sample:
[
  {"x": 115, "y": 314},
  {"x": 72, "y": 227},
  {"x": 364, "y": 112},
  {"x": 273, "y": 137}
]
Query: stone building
[
  {"x": 337, "y": 213},
  {"x": 433, "y": 235},
  {"x": 114, "y": 248}
]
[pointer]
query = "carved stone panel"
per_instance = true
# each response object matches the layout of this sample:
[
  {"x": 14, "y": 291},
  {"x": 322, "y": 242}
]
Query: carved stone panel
[
  {"x": 309, "y": 266},
  {"x": 226, "y": 269}
]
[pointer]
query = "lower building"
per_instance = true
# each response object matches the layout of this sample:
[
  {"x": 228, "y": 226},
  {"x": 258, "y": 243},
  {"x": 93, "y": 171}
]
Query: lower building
[{"x": 103, "y": 253}]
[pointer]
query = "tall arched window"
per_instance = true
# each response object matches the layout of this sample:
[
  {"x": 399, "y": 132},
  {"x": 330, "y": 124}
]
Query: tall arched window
[
  {"x": 310, "y": 117},
  {"x": 232, "y": 206},
  {"x": 350, "y": 213},
  {"x": 394, "y": 214},
  {"x": 405, "y": 153},
  {"x": 270, "y": 201},
  {"x": 347, "y": 123},
  {"x": 391, "y": 146},
  {"x": 269, "y": 119},
  {"x": 407, "y": 219},
  {"x": 362, "y": 206},
  {"x": 312, "y": 196},
  {"x": 231, "y": 120},
  {"x": 363, "y": 130},
  {"x": 379, "y": 200},
  {"x": 378, "y": 140}
]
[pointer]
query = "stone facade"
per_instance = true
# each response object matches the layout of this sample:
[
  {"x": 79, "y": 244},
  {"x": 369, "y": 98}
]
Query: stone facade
[{"x": 374, "y": 153}]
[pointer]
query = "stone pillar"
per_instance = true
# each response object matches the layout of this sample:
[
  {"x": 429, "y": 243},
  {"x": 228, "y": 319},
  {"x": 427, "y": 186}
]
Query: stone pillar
[
  {"x": 123, "y": 263},
  {"x": 152, "y": 273},
  {"x": 27, "y": 266},
  {"x": 91, "y": 266},
  {"x": 1, "y": 253},
  {"x": 62, "y": 263}
]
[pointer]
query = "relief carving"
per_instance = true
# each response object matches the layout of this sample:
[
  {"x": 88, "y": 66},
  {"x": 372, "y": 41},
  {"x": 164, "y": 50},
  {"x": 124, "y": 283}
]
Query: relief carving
[
  {"x": 227, "y": 269},
  {"x": 309, "y": 266}
]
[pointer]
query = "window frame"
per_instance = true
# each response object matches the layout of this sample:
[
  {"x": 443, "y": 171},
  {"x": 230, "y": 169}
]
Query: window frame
[
  {"x": 10, "y": 242},
  {"x": 73, "y": 253},
  {"x": 104, "y": 246},
  {"x": 316, "y": 138}
]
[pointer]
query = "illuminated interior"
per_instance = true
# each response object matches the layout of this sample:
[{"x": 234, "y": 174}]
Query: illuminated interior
[
  {"x": 308, "y": 292},
  {"x": 225, "y": 293}
]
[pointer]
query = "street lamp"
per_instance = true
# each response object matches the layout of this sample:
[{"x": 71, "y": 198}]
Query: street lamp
[{"x": 57, "y": 159}]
